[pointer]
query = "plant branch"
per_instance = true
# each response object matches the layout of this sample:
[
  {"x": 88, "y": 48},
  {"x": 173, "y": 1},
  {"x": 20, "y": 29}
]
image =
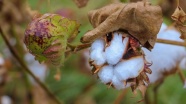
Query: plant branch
[
  {"x": 182, "y": 76},
  {"x": 77, "y": 47},
  {"x": 120, "y": 97},
  {"x": 80, "y": 47},
  {"x": 171, "y": 42},
  {"x": 26, "y": 69},
  {"x": 178, "y": 2}
]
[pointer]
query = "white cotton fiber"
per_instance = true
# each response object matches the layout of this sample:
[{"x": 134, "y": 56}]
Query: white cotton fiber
[
  {"x": 116, "y": 49},
  {"x": 163, "y": 27},
  {"x": 96, "y": 52},
  {"x": 183, "y": 63},
  {"x": 129, "y": 68},
  {"x": 1, "y": 60},
  {"x": 106, "y": 74},
  {"x": 164, "y": 56},
  {"x": 39, "y": 70},
  {"x": 118, "y": 84}
]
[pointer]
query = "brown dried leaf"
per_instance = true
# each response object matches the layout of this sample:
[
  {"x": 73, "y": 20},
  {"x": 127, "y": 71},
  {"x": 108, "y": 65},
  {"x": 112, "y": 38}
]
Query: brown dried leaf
[
  {"x": 141, "y": 20},
  {"x": 182, "y": 29},
  {"x": 179, "y": 16},
  {"x": 81, "y": 3}
]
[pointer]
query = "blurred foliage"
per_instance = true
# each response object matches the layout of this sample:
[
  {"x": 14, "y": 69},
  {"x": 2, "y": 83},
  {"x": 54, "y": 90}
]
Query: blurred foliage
[{"x": 77, "y": 85}]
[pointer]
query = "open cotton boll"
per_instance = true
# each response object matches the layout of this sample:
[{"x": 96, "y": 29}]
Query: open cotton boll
[
  {"x": 118, "y": 84},
  {"x": 115, "y": 51},
  {"x": 96, "y": 52},
  {"x": 164, "y": 56},
  {"x": 129, "y": 68},
  {"x": 106, "y": 74}
]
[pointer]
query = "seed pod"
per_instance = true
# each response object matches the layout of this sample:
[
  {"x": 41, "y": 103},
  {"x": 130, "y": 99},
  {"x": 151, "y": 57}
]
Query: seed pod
[{"x": 46, "y": 37}]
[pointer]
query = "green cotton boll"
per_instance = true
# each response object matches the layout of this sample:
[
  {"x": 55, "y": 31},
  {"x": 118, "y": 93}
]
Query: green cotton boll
[{"x": 46, "y": 37}]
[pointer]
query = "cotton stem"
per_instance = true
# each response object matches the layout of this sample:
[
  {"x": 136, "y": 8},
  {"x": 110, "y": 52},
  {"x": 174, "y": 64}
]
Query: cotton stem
[{"x": 171, "y": 42}]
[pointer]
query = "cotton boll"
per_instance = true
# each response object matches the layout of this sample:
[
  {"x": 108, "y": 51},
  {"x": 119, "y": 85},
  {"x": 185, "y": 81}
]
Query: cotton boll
[
  {"x": 116, "y": 49},
  {"x": 118, "y": 84},
  {"x": 96, "y": 52},
  {"x": 164, "y": 56},
  {"x": 106, "y": 74},
  {"x": 129, "y": 68}
]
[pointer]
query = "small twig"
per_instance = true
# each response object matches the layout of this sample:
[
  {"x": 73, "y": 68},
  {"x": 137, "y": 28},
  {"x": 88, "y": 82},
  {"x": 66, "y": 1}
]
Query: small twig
[
  {"x": 120, "y": 97},
  {"x": 171, "y": 42},
  {"x": 146, "y": 98},
  {"x": 178, "y": 2},
  {"x": 78, "y": 47},
  {"x": 25, "y": 68},
  {"x": 49, "y": 6},
  {"x": 182, "y": 76}
]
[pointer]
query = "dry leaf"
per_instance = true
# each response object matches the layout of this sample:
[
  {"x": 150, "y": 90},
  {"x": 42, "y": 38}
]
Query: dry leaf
[
  {"x": 140, "y": 19},
  {"x": 179, "y": 16},
  {"x": 168, "y": 6},
  {"x": 81, "y": 3}
]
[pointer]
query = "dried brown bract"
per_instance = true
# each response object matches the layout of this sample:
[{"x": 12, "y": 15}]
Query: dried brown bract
[
  {"x": 179, "y": 16},
  {"x": 81, "y": 3},
  {"x": 141, "y": 20}
]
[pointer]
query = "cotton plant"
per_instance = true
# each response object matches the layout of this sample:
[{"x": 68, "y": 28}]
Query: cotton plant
[
  {"x": 165, "y": 57},
  {"x": 118, "y": 61},
  {"x": 120, "y": 31}
]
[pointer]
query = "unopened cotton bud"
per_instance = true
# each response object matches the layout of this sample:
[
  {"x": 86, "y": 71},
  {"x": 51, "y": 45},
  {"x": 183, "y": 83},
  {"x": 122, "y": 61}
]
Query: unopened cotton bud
[{"x": 46, "y": 37}]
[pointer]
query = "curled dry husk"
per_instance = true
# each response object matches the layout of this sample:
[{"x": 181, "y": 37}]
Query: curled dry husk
[
  {"x": 47, "y": 36},
  {"x": 141, "y": 20},
  {"x": 180, "y": 17}
]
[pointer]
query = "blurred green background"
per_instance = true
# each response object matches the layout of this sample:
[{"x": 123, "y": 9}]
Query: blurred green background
[{"x": 77, "y": 85}]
